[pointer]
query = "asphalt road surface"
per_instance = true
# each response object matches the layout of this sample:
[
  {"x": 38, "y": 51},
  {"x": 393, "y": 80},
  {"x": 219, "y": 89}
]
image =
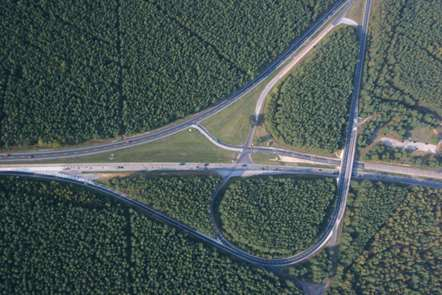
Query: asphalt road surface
[
  {"x": 347, "y": 162},
  {"x": 194, "y": 119},
  {"x": 234, "y": 251},
  {"x": 346, "y": 171}
]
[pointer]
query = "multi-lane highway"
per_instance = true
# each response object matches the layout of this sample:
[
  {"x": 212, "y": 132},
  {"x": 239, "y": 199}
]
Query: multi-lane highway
[
  {"x": 347, "y": 162},
  {"x": 90, "y": 170},
  {"x": 218, "y": 242},
  {"x": 344, "y": 173},
  {"x": 171, "y": 129}
]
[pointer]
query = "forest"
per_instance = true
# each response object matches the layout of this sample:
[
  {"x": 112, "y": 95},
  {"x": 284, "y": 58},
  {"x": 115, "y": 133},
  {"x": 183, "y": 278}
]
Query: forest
[
  {"x": 58, "y": 238},
  {"x": 386, "y": 153},
  {"x": 404, "y": 256},
  {"x": 388, "y": 244},
  {"x": 100, "y": 69},
  {"x": 398, "y": 252},
  {"x": 310, "y": 108},
  {"x": 402, "y": 88},
  {"x": 276, "y": 216},
  {"x": 184, "y": 197}
]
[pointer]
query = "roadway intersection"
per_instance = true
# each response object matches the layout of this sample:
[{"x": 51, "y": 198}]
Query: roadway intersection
[{"x": 344, "y": 169}]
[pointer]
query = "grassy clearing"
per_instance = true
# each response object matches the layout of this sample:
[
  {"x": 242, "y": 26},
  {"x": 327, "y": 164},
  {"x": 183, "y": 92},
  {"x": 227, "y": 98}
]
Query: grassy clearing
[
  {"x": 232, "y": 125},
  {"x": 356, "y": 11},
  {"x": 186, "y": 146},
  {"x": 269, "y": 159},
  {"x": 266, "y": 159},
  {"x": 425, "y": 134}
]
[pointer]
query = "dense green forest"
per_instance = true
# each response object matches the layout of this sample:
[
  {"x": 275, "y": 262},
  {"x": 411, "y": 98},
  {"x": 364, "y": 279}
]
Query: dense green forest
[
  {"x": 389, "y": 243},
  {"x": 369, "y": 206},
  {"x": 402, "y": 86},
  {"x": 310, "y": 108},
  {"x": 404, "y": 256},
  {"x": 393, "y": 249},
  {"x": 276, "y": 216},
  {"x": 98, "y": 69},
  {"x": 58, "y": 238},
  {"x": 184, "y": 197}
]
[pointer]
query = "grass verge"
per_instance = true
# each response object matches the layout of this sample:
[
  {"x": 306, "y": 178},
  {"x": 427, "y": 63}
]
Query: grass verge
[{"x": 186, "y": 146}]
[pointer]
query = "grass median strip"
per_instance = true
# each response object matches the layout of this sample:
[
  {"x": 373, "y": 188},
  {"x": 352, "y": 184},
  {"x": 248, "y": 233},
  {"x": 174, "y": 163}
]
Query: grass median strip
[{"x": 186, "y": 146}]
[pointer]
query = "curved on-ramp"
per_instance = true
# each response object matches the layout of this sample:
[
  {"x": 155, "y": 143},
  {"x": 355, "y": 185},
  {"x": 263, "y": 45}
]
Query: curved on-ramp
[
  {"x": 155, "y": 214},
  {"x": 276, "y": 262},
  {"x": 343, "y": 183}
]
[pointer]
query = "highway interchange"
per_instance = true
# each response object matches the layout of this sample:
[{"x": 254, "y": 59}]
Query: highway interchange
[{"x": 342, "y": 169}]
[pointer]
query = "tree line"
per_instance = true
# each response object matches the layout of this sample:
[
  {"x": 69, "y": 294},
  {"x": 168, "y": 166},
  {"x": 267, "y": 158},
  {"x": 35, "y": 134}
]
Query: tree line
[
  {"x": 401, "y": 256},
  {"x": 388, "y": 244}
]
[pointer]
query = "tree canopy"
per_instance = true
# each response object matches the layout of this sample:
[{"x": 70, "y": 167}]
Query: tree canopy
[
  {"x": 310, "y": 108},
  {"x": 402, "y": 88},
  {"x": 276, "y": 216},
  {"x": 186, "y": 198},
  {"x": 59, "y": 238},
  {"x": 71, "y": 72}
]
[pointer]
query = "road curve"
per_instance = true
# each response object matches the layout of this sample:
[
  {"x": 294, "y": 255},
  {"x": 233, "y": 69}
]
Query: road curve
[
  {"x": 215, "y": 141},
  {"x": 346, "y": 168},
  {"x": 219, "y": 243},
  {"x": 267, "y": 150},
  {"x": 245, "y": 156},
  {"x": 174, "y": 128},
  {"x": 157, "y": 215}
]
